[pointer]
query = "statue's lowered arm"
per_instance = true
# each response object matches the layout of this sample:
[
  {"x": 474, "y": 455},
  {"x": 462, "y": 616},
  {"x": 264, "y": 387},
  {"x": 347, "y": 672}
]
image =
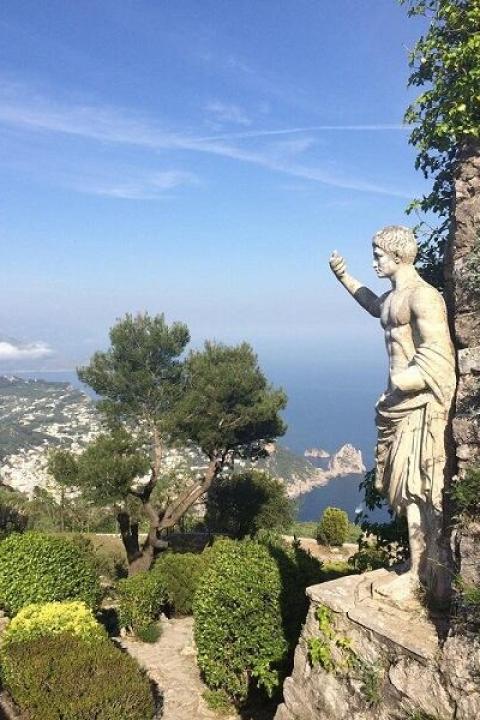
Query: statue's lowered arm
[
  {"x": 434, "y": 354},
  {"x": 365, "y": 297}
]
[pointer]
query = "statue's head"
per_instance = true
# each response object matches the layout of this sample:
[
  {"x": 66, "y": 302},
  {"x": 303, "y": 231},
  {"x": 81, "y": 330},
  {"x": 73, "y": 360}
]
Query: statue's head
[{"x": 392, "y": 246}]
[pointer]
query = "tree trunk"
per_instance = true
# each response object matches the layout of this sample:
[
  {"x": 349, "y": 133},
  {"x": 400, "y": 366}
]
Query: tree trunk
[
  {"x": 465, "y": 319},
  {"x": 129, "y": 535},
  {"x": 141, "y": 558}
]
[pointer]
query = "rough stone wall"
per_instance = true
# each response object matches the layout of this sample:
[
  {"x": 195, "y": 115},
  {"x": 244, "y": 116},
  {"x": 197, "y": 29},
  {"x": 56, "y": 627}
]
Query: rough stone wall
[
  {"x": 401, "y": 670},
  {"x": 465, "y": 314},
  {"x": 464, "y": 308}
]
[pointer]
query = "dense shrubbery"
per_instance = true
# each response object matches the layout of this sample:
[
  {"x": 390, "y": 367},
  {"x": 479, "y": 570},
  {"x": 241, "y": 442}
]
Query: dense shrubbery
[
  {"x": 333, "y": 527},
  {"x": 141, "y": 599},
  {"x": 180, "y": 573},
  {"x": 238, "y": 619},
  {"x": 370, "y": 557},
  {"x": 108, "y": 558},
  {"x": 298, "y": 569},
  {"x": 466, "y": 493},
  {"x": 37, "y": 568},
  {"x": 242, "y": 504},
  {"x": 64, "y": 678},
  {"x": 57, "y": 618},
  {"x": 382, "y": 544}
]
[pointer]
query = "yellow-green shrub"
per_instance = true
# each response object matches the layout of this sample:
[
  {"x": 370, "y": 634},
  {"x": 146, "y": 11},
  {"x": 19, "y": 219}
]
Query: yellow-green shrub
[
  {"x": 36, "y": 568},
  {"x": 56, "y": 618}
]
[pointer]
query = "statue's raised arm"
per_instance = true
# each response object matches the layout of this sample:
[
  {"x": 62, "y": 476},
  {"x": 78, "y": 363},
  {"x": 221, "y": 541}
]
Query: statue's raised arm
[{"x": 365, "y": 297}]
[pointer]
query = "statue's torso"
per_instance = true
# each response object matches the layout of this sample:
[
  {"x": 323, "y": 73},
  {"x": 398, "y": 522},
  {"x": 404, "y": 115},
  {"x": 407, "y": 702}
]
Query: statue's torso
[{"x": 396, "y": 320}]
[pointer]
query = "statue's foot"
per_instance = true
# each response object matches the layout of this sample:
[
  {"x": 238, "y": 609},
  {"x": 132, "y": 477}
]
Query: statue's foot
[{"x": 400, "y": 589}]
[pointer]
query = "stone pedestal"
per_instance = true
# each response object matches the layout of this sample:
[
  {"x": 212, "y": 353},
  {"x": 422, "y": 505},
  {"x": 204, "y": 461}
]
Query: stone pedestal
[{"x": 379, "y": 661}]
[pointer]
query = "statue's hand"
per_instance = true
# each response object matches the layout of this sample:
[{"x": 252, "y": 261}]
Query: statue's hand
[{"x": 338, "y": 265}]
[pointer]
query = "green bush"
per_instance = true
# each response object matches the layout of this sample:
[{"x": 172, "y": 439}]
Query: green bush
[
  {"x": 180, "y": 573},
  {"x": 141, "y": 599},
  {"x": 466, "y": 493},
  {"x": 149, "y": 633},
  {"x": 218, "y": 701},
  {"x": 370, "y": 557},
  {"x": 298, "y": 569},
  {"x": 36, "y": 568},
  {"x": 57, "y": 618},
  {"x": 64, "y": 678},
  {"x": 108, "y": 557},
  {"x": 390, "y": 537},
  {"x": 333, "y": 527},
  {"x": 238, "y": 619},
  {"x": 244, "y": 503}
]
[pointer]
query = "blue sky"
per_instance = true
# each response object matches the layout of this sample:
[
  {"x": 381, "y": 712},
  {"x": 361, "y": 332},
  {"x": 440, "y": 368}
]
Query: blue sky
[{"x": 200, "y": 158}]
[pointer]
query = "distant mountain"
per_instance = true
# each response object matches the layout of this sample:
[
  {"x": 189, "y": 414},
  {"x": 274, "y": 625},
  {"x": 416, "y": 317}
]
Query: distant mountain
[{"x": 37, "y": 415}]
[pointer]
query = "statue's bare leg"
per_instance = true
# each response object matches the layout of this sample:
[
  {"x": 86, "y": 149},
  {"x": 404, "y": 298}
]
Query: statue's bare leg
[
  {"x": 404, "y": 586},
  {"x": 417, "y": 542}
]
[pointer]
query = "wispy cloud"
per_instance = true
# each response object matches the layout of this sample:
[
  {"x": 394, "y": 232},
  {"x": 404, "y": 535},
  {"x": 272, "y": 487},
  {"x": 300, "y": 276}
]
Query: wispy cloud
[
  {"x": 244, "y": 135},
  {"x": 105, "y": 124},
  {"x": 150, "y": 186},
  {"x": 14, "y": 350},
  {"x": 222, "y": 112}
]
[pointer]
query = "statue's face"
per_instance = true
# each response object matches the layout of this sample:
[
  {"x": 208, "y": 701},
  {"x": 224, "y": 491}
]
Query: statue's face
[{"x": 384, "y": 264}]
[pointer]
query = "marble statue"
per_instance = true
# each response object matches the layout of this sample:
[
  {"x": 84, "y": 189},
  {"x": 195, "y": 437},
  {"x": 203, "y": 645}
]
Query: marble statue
[{"x": 412, "y": 415}]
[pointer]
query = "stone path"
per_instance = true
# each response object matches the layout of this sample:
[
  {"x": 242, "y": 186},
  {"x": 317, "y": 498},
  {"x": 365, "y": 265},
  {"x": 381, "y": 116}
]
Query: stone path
[{"x": 170, "y": 663}]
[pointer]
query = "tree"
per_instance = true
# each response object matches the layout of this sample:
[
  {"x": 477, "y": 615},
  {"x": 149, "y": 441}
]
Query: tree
[
  {"x": 139, "y": 380},
  {"x": 244, "y": 503},
  {"x": 62, "y": 467},
  {"x": 217, "y": 399},
  {"x": 229, "y": 410},
  {"x": 446, "y": 115},
  {"x": 13, "y": 517},
  {"x": 333, "y": 527}
]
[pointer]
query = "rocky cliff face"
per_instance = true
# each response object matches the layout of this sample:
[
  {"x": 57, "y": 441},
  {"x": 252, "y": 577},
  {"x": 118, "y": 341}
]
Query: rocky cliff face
[
  {"x": 346, "y": 461},
  {"x": 360, "y": 658}
]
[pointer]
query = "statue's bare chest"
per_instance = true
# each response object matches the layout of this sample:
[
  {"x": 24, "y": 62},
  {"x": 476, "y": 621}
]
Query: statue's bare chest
[{"x": 396, "y": 309}]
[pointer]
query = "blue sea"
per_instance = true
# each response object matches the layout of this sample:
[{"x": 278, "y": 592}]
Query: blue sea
[{"x": 328, "y": 406}]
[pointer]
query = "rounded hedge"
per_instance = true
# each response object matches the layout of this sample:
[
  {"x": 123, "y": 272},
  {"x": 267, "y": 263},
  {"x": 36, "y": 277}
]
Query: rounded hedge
[
  {"x": 141, "y": 599},
  {"x": 333, "y": 527},
  {"x": 36, "y": 568},
  {"x": 238, "y": 619},
  {"x": 56, "y": 618},
  {"x": 64, "y": 678},
  {"x": 180, "y": 573}
]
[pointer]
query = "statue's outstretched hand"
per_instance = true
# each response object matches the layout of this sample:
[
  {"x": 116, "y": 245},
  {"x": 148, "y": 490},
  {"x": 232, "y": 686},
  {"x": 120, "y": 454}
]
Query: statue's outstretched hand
[{"x": 338, "y": 265}]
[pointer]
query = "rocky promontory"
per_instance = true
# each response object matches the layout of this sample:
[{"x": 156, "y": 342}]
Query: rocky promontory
[
  {"x": 302, "y": 476},
  {"x": 316, "y": 453}
]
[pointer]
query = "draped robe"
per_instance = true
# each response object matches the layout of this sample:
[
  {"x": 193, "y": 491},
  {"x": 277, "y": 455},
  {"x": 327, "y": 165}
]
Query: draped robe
[{"x": 410, "y": 455}]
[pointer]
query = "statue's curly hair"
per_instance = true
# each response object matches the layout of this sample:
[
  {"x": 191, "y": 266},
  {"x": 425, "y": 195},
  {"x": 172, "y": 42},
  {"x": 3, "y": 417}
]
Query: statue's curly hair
[{"x": 397, "y": 240}]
